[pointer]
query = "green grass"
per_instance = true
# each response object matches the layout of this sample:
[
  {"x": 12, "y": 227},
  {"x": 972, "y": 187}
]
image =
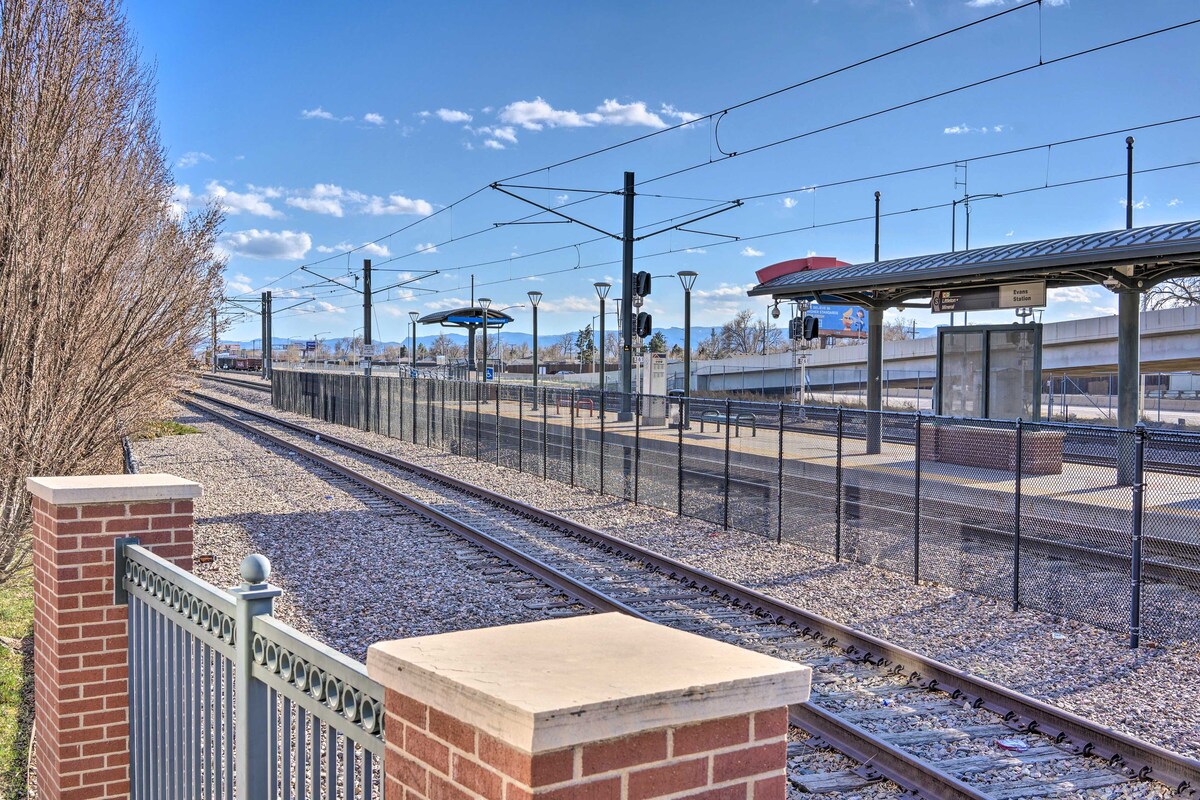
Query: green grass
[
  {"x": 167, "y": 427},
  {"x": 16, "y": 682}
]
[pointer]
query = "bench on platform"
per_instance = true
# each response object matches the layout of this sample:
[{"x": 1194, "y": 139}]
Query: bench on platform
[
  {"x": 993, "y": 448},
  {"x": 737, "y": 420},
  {"x": 580, "y": 404}
]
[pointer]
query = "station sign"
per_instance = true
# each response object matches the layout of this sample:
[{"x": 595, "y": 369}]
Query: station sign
[
  {"x": 310, "y": 345},
  {"x": 990, "y": 298},
  {"x": 368, "y": 350}
]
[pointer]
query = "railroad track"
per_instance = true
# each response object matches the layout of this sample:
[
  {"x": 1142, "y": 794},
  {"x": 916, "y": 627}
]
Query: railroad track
[
  {"x": 891, "y": 710},
  {"x": 262, "y": 387}
]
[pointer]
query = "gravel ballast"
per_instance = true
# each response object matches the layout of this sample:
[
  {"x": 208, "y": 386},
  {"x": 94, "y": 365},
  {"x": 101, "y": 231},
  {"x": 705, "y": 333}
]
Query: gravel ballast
[{"x": 1151, "y": 693}]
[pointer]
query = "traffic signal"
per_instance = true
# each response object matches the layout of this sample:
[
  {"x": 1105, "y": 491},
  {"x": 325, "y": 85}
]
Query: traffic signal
[
  {"x": 643, "y": 324},
  {"x": 641, "y": 284},
  {"x": 796, "y": 328},
  {"x": 812, "y": 328}
]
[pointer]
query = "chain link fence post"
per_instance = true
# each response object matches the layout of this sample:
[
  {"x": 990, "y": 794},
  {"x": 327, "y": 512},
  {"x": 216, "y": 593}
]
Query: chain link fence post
[
  {"x": 916, "y": 497},
  {"x": 1139, "y": 486},
  {"x": 683, "y": 411},
  {"x": 603, "y": 395},
  {"x": 545, "y": 434},
  {"x": 637, "y": 445},
  {"x": 728, "y": 423},
  {"x": 572, "y": 413},
  {"x": 837, "y": 489},
  {"x": 779, "y": 480},
  {"x": 1018, "y": 458}
]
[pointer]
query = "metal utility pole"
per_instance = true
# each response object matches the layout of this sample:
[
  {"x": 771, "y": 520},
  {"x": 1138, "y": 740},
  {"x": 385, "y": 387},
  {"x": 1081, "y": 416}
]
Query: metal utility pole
[
  {"x": 263, "y": 332},
  {"x": 367, "y": 317},
  {"x": 602, "y": 292},
  {"x": 484, "y": 303},
  {"x": 214, "y": 339},
  {"x": 535, "y": 297},
  {"x": 688, "y": 278},
  {"x": 626, "y": 412},
  {"x": 471, "y": 335},
  {"x": 269, "y": 351},
  {"x": 874, "y": 362}
]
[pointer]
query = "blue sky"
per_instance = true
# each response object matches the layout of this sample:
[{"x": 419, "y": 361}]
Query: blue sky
[{"x": 323, "y": 126}]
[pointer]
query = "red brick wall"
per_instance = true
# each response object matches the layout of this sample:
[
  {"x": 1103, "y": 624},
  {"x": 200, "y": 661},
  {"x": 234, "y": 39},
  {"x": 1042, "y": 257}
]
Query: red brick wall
[
  {"x": 80, "y": 669},
  {"x": 993, "y": 448},
  {"x": 432, "y": 755}
]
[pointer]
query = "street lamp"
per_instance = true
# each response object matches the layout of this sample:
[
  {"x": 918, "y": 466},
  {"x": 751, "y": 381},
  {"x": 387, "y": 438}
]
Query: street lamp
[
  {"x": 688, "y": 278},
  {"x": 317, "y": 350},
  {"x": 484, "y": 304},
  {"x": 535, "y": 297},
  {"x": 602, "y": 288},
  {"x": 412, "y": 315}
]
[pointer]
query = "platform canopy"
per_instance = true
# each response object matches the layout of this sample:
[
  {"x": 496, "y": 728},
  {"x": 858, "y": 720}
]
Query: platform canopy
[
  {"x": 470, "y": 317},
  {"x": 1134, "y": 259}
]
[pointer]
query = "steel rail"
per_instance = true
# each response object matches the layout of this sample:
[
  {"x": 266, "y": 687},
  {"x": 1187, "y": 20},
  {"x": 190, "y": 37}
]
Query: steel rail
[
  {"x": 539, "y": 569},
  {"x": 262, "y": 387},
  {"x": 1020, "y": 712}
]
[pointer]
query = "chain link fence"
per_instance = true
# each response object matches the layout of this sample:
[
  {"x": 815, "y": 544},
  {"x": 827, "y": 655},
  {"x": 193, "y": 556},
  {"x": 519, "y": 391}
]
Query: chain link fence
[{"x": 1093, "y": 523}]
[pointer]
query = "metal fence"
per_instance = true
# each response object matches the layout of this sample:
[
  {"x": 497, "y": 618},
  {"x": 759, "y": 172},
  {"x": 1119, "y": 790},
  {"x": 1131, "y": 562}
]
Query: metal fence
[
  {"x": 1044, "y": 515},
  {"x": 226, "y": 701}
]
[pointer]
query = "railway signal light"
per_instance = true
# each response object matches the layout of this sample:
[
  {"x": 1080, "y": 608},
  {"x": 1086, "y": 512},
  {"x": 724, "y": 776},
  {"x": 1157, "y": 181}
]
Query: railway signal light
[
  {"x": 643, "y": 324},
  {"x": 812, "y": 328},
  {"x": 641, "y": 284}
]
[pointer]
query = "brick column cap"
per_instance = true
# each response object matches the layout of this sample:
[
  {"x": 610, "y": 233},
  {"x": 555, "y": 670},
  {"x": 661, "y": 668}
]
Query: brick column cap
[
  {"x": 79, "y": 490},
  {"x": 546, "y": 685}
]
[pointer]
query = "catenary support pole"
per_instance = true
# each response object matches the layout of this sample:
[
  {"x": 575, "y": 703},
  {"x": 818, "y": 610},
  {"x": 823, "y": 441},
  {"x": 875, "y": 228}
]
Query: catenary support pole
[
  {"x": 367, "y": 317},
  {"x": 269, "y": 347},
  {"x": 874, "y": 363},
  {"x": 214, "y": 339},
  {"x": 263, "y": 331},
  {"x": 626, "y": 412}
]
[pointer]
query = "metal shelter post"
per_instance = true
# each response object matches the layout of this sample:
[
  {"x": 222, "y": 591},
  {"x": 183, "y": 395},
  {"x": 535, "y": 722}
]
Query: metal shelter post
[
  {"x": 874, "y": 379},
  {"x": 1128, "y": 349}
]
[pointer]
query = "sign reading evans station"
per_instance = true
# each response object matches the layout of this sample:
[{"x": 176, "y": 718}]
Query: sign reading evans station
[{"x": 989, "y": 298}]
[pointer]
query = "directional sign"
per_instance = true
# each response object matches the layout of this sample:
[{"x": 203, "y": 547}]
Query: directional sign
[
  {"x": 310, "y": 345},
  {"x": 990, "y": 298},
  {"x": 368, "y": 350}
]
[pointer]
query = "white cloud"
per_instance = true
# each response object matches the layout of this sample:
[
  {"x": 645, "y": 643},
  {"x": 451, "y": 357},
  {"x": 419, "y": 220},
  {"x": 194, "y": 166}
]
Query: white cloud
[
  {"x": 330, "y": 308},
  {"x": 695, "y": 250},
  {"x": 561, "y": 199},
  {"x": 536, "y": 114},
  {"x": 192, "y": 158},
  {"x": 492, "y": 144},
  {"x": 1071, "y": 294},
  {"x": 1010, "y": 233},
  {"x": 963, "y": 127},
  {"x": 374, "y": 119},
  {"x": 427, "y": 248},
  {"x": 668, "y": 110},
  {"x": 239, "y": 283},
  {"x": 316, "y": 113},
  {"x": 340, "y": 247},
  {"x": 984, "y": 3},
  {"x": 450, "y": 115},
  {"x": 398, "y": 204},
  {"x": 325, "y": 198},
  {"x": 1138, "y": 205},
  {"x": 181, "y": 199},
  {"x": 232, "y": 202},
  {"x": 375, "y": 249},
  {"x": 570, "y": 303},
  {"x": 270, "y": 192},
  {"x": 789, "y": 202},
  {"x": 750, "y": 252},
  {"x": 723, "y": 290},
  {"x": 369, "y": 248},
  {"x": 254, "y": 243},
  {"x": 505, "y": 134},
  {"x": 1174, "y": 202}
]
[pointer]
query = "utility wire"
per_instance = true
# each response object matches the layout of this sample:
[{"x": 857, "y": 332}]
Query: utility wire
[{"x": 925, "y": 99}]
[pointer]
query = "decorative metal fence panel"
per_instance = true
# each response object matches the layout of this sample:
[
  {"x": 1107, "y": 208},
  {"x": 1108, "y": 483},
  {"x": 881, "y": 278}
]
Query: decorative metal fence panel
[
  {"x": 226, "y": 701},
  {"x": 1063, "y": 518}
]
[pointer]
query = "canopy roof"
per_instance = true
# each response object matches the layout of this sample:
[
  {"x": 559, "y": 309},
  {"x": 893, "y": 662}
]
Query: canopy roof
[
  {"x": 470, "y": 317},
  {"x": 1137, "y": 258}
]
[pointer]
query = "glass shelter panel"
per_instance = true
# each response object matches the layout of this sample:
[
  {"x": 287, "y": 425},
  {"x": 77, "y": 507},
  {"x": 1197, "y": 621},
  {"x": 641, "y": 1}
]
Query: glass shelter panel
[
  {"x": 962, "y": 374},
  {"x": 1013, "y": 374}
]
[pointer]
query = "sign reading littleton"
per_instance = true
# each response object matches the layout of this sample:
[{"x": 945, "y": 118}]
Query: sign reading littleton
[{"x": 990, "y": 298}]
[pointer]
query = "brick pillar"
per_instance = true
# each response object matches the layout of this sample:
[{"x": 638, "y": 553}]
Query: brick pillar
[
  {"x": 603, "y": 707},
  {"x": 80, "y": 669}
]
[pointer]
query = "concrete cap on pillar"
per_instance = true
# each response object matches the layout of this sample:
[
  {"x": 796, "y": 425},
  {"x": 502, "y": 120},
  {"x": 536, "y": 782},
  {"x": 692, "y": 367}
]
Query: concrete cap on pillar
[
  {"x": 78, "y": 490},
  {"x": 542, "y": 686}
]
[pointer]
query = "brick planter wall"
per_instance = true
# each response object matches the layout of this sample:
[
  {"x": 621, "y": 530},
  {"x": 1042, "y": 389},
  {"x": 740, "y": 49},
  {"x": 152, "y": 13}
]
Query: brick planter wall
[
  {"x": 993, "y": 448},
  {"x": 80, "y": 636},
  {"x": 603, "y": 707}
]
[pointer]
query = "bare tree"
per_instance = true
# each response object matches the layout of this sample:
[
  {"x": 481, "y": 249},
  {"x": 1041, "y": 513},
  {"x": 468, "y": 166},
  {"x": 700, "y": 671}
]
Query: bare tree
[
  {"x": 105, "y": 290},
  {"x": 739, "y": 334},
  {"x": 899, "y": 329},
  {"x": 1172, "y": 294}
]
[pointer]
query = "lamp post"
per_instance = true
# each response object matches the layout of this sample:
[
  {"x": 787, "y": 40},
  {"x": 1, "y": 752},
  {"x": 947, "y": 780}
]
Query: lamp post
[
  {"x": 602, "y": 292},
  {"x": 317, "y": 350},
  {"x": 412, "y": 315},
  {"x": 688, "y": 278},
  {"x": 484, "y": 304},
  {"x": 535, "y": 297}
]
